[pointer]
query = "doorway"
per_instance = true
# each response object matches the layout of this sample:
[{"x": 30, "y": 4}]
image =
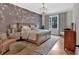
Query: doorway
[{"x": 54, "y": 24}]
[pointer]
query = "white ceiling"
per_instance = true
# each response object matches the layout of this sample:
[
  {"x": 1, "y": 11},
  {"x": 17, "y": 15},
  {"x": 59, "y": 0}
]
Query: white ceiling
[{"x": 51, "y": 7}]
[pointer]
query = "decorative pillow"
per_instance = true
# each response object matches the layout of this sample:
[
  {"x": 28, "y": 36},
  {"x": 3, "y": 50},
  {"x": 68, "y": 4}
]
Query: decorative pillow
[
  {"x": 32, "y": 27},
  {"x": 14, "y": 28},
  {"x": 25, "y": 32},
  {"x": 25, "y": 28},
  {"x": 17, "y": 47}
]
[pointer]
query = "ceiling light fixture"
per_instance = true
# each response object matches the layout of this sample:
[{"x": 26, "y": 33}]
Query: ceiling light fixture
[
  {"x": 43, "y": 9},
  {"x": 43, "y": 13}
]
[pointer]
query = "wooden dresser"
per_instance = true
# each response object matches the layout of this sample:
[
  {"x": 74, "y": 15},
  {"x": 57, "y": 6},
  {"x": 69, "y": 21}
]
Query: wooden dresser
[{"x": 69, "y": 40}]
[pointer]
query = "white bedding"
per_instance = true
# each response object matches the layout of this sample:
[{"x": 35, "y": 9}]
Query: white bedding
[
  {"x": 39, "y": 36},
  {"x": 40, "y": 31},
  {"x": 35, "y": 35}
]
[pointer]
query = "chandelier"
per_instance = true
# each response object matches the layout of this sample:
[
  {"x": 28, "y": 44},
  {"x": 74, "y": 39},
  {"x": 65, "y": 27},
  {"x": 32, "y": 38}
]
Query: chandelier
[{"x": 43, "y": 9}]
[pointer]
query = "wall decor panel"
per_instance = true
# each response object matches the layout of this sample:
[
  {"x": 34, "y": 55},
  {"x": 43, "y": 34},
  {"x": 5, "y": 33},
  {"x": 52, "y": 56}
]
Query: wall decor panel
[{"x": 10, "y": 13}]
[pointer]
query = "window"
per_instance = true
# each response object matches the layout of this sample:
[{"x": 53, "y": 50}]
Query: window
[{"x": 53, "y": 22}]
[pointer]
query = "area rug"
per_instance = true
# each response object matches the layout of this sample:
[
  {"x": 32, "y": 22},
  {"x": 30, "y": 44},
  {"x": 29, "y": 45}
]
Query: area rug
[
  {"x": 46, "y": 47},
  {"x": 32, "y": 49}
]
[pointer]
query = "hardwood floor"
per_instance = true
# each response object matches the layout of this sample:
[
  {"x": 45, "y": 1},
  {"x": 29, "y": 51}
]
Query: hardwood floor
[{"x": 58, "y": 49}]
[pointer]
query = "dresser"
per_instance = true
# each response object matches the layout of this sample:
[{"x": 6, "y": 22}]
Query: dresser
[{"x": 69, "y": 40}]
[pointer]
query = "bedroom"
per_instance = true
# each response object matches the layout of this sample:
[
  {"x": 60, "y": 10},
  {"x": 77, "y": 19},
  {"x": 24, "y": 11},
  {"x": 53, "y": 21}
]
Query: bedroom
[{"x": 16, "y": 17}]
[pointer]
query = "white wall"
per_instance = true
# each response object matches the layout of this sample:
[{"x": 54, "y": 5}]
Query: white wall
[
  {"x": 69, "y": 18},
  {"x": 62, "y": 21},
  {"x": 76, "y": 18}
]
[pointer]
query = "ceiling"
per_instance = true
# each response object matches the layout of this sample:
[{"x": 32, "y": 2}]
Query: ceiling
[{"x": 51, "y": 7}]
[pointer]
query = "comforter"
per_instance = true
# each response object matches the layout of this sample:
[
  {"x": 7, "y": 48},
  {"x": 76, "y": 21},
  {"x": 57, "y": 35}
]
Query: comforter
[{"x": 36, "y": 36}]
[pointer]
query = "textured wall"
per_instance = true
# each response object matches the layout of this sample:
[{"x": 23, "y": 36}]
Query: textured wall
[
  {"x": 10, "y": 13},
  {"x": 69, "y": 18}
]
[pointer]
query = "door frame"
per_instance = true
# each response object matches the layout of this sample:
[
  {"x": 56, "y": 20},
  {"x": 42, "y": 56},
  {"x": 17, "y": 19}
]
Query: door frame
[{"x": 50, "y": 26}]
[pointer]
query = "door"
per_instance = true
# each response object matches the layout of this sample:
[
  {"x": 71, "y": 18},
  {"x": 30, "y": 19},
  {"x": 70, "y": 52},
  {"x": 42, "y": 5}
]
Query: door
[{"x": 54, "y": 24}]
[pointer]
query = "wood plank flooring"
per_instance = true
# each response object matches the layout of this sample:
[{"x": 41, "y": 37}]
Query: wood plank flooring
[{"x": 58, "y": 48}]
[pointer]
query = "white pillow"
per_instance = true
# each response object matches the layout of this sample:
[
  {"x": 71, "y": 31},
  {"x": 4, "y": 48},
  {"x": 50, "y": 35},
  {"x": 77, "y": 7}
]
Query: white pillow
[
  {"x": 26, "y": 28},
  {"x": 25, "y": 32},
  {"x": 14, "y": 26},
  {"x": 33, "y": 27}
]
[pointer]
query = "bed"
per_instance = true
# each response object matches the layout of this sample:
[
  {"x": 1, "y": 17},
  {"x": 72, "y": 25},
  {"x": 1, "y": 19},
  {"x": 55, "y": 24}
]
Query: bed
[
  {"x": 31, "y": 33},
  {"x": 37, "y": 36}
]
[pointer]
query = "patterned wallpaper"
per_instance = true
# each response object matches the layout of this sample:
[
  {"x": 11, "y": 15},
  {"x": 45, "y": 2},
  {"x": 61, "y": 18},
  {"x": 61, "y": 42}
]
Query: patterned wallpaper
[{"x": 10, "y": 13}]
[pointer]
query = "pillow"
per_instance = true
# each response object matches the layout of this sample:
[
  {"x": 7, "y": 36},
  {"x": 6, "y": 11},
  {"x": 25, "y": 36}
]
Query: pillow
[
  {"x": 16, "y": 47},
  {"x": 25, "y": 32},
  {"x": 14, "y": 28},
  {"x": 32, "y": 27},
  {"x": 26, "y": 28}
]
